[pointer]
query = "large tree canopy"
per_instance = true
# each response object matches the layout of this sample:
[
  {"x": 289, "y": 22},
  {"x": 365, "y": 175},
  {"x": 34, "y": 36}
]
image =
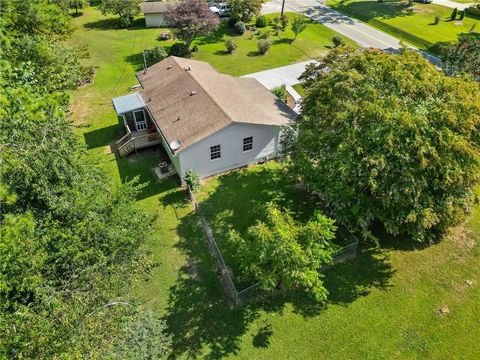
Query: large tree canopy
[
  {"x": 244, "y": 10},
  {"x": 390, "y": 139},
  {"x": 463, "y": 57},
  {"x": 280, "y": 253},
  {"x": 69, "y": 242},
  {"x": 191, "y": 18},
  {"x": 125, "y": 9}
]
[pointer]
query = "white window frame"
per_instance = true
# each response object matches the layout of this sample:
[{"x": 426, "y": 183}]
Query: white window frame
[
  {"x": 219, "y": 151},
  {"x": 243, "y": 144},
  {"x": 140, "y": 125}
]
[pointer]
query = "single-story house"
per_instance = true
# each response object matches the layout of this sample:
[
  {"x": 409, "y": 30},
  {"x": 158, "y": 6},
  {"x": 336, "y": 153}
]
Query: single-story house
[
  {"x": 154, "y": 12},
  {"x": 206, "y": 121}
]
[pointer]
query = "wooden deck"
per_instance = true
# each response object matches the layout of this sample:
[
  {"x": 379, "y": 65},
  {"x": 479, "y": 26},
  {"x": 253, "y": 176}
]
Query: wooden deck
[{"x": 136, "y": 140}]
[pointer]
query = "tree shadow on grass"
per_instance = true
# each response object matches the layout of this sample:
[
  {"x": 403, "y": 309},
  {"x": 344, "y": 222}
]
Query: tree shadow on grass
[
  {"x": 217, "y": 36},
  {"x": 103, "y": 24},
  {"x": 101, "y": 137},
  {"x": 113, "y": 23},
  {"x": 255, "y": 53},
  {"x": 136, "y": 60},
  {"x": 200, "y": 317},
  {"x": 141, "y": 164}
]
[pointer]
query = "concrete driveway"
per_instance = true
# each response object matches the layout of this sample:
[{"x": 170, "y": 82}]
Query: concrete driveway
[
  {"x": 284, "y": 75},
  {"x": 359, "y": 32}
]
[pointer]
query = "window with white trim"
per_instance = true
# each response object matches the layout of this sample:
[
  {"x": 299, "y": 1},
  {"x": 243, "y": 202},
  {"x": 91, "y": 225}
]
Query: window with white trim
[
  {"x": 215, "y": 152},
  {"x": 248, "y": 143}
]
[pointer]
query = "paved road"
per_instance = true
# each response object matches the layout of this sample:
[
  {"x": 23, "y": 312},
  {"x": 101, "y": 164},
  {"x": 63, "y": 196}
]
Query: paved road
[
  {"x": 284, "y": 75},
  {"x": 452, "y": 4},
  {"x": 361, "y": 33}
]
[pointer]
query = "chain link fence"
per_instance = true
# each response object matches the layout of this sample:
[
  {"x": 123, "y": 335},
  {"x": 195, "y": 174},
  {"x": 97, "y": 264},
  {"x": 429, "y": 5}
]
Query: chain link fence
[
  {"x": 226, "y": 278},
  {"x": 237, "y": 297}
]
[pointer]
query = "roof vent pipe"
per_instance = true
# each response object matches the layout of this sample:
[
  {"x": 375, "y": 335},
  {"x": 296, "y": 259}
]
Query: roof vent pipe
[
  {"x": 169, "y": 67},
  {"x": 188, "y": 68},
  {"x": 193, "y": 93}
]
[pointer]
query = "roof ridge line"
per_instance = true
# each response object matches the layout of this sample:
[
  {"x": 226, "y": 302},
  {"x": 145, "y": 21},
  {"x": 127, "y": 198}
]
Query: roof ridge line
[{"x": 203, "y": 88}]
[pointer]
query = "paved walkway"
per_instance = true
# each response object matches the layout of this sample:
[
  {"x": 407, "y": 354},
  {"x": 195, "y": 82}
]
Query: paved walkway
[
  {"x": 361, "y": 33},
  {"x": 284, "y": 75}
]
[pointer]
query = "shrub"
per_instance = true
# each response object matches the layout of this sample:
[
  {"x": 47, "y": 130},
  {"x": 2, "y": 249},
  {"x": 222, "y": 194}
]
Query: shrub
[
  {"x": 262, "y": 21},
  {"x": 192, "y": 179},
  {"x": 264, "y": 35},
  {"x": 164, "y": 36},
  {"x": 264, "y": 45},
  {"x": 239, "y": 27},
  {"x": 337, "y": 41},
  {"x": 284, "y": 21},
  {"x": 454, "y": 14},
  {"x": 180, "y": 49},
  {"x": 195, "y": 48},
  {"x": 124, "y": 21},
  {"x": 232, "y": 21},
  {"x": 462, "y": 15},
  {"x": 155, "y": 55},
  {"x": 437, "y": 20},
  {"x": 281, "y": 92},
  {"x": 276, "y": 22},
  {"x": 473, "y": 10},
  {"x": 230, "y": 45}
]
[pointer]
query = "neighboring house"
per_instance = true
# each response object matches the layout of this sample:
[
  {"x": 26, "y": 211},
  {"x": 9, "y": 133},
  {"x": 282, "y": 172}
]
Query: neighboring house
[
  {"x": 155, "y": 13},
  {"x": 206, "y": 121}
]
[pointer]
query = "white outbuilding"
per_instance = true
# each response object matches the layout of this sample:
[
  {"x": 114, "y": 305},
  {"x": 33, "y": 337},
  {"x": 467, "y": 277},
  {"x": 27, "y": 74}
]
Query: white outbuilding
[{"x": 155, "y": 12}]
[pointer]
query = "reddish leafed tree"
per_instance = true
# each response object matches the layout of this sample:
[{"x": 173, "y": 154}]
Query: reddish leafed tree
[{"x": 191, "y": 18}]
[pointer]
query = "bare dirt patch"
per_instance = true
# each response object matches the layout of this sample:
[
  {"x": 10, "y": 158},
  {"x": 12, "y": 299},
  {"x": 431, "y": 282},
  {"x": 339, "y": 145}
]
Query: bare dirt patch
[{"x": 462, "y": 236}]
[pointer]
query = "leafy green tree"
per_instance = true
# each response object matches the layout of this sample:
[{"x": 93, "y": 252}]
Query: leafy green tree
[
  {"x": 191, "y": 18},
  {"x": 69, "y": 242},
  {"x": 338, "y": 41},
  {"x": 125, "y": 9},
  {"x": 280, "y": 253},
  {"x": 67, "y": 5},
  {"x": 462, "y": 57},
  {"x": 299, "y": 24},
  {"x": 155, "y": 55},
  {"x": 244, "y": 10},
  {"x": 35, "y": 18},
  {"x": 399, "y": 148}
]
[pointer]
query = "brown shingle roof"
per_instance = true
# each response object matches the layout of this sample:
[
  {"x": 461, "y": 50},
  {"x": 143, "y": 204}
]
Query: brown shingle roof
[
  {"x": 155, "y": 7},
  {"x": 189, "y": 105}
]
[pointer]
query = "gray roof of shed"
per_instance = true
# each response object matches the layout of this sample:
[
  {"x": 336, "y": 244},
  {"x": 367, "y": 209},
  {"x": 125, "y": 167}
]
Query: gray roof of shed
[
  {"x": 127, "y": 103},
  {"x": 155, "y": 7}
]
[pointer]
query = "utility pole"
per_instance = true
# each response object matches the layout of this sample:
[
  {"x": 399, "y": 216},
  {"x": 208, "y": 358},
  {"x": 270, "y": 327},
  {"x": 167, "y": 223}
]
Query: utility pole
[
  {"x": 144, "y": 62},
  {"x": 283, "y": 7}
]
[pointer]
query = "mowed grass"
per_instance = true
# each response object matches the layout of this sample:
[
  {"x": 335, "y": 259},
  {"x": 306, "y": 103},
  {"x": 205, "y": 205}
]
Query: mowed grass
[
  {"x": 414, "y": 25},
  {"x": 383, "y": 304},
  {"x": 314, "y": 41}
]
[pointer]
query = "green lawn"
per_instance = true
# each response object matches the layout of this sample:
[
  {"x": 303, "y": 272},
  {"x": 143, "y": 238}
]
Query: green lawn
[
  {"x": 412, "y": 25},
  {"x": 314, "y": 41},
  {"x": 299, "y": 89},
  {"x": 382, "y": 305}
]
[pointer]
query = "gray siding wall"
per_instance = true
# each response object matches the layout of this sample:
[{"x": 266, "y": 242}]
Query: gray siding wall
[
  {"x": 230, "y": 139},
  {"x": 175, "y": 159},
  {"x": 155, "y": 20}
]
